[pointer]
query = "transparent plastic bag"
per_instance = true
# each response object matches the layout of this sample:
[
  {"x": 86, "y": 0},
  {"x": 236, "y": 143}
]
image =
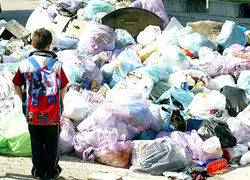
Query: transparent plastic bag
[
  {"x": 159, "y": 155},
  {"x": 96, "y": 38},
  {"x": 231, "y": 34}
]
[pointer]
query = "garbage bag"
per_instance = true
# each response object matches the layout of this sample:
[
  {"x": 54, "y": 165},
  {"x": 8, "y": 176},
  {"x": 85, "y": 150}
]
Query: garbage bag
[
  {"x": 159, "y": 155},
  {"x": 211, "y": 149},
  {"x": 173, "y": 59},
  {"x": 210, "y": 128},
  {"x": 180, "y": 95},
  {"x": 231, "y": 34},
  {"x": 14, "y": 134},
  {"x": 238, "y": 68},
  {"x": 194, "y": 41},
  {"x": 156, "y": 7},
  {"x": 220, "y": 81},
  {"x": 211, "y": 31},
  {"x": 72, "y": 65},
  {"x": 94, "y": 7},
  {"x": 72, "y": 5},
  {"x": 123, "y": 38},
  {"x": 240, "y": 125},
  {"x": 67, "y": 134},
  {"x": 92, "y": 73},
  {"x": 203, "y": 103},
  {"x": 159, "y": 88},
  {"x": 189, "y": 140},
  {"x": 236, "y": 152},
  {"x": 244, "y": 81},
  {"x": 237, "y": 50},
  {"x": 106, "y": 145},
  {"x": 96, "y": 38},
  {"x": 214, "y": 64},
  {"x": 148, "y": 35},
  {"x": 130, "y": 118},
  {"x": 80, "y": 105},
  {"x": 236, "y": 100},
  {"x": 191, "y": 76},
  {"x": 6, "y": 77},
  {"x": 127, "y": 61}
]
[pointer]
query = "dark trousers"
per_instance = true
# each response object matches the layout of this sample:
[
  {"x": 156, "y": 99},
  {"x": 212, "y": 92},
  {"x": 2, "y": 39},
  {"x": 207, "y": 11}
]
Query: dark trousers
[{"x": 45, "y": 152}]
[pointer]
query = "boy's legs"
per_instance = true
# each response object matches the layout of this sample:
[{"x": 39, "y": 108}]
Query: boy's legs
[
  {"x": 51, "y": 151},
  {"x": 37, "y": 149}
]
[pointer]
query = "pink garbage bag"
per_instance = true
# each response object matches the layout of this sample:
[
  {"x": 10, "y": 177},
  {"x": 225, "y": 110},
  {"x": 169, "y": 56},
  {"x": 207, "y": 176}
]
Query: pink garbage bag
[{"x": 155, "y": 6}]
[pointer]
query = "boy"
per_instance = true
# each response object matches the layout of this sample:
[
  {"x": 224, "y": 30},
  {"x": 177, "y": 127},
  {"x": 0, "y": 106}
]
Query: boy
[{"x": 44, "y": 138}]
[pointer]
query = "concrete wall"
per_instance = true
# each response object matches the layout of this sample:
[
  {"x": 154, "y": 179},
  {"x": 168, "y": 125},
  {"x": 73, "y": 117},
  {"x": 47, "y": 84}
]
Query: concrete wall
[{"x": 216, "y": 8}]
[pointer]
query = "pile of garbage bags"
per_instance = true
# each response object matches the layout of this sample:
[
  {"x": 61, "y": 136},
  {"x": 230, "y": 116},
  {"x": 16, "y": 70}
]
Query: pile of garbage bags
[{"x": 168, "y": 100}]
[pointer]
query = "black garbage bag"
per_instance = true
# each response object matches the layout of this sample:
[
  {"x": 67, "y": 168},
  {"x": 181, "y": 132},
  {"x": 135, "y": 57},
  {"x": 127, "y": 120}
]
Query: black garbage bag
[
  {"x": 236, "y": 100},
  {"x": 210, "y": 128}
]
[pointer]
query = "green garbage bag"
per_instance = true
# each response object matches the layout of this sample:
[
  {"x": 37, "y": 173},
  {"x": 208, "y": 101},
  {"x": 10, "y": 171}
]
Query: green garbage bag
[{"x": 14, "y": 134}]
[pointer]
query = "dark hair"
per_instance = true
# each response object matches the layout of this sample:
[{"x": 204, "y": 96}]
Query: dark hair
[{"x": 41, "y": 38}]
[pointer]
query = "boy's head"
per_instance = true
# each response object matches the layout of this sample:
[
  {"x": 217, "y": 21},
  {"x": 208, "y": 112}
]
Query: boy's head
[{"x": 41, "y": 39}]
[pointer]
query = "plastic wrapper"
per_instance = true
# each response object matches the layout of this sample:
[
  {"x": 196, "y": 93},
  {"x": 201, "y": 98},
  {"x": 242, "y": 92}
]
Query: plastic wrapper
[
  {"x": 203, "y": 103},
  {"x": 156, "y": 7},
  {"x": 106, "y": 145},
  {"x": 67, "y": 133},
  {"x": 194, "y": 41},
  {"x": 159, "y": 155},
  {"x": 14, "y": 136},
  {"x": 220, "y": 81},
  {"x": 96, "y": 38},
  {"x": 236, "y": 100},
  {"x": 130, "y": 119},
  {"x": 148, "y": 35},
  {"x": 123, "y": 38},
  {"x": 239, "y": 51},
  {"x": 210, "y": 128},
  {"x": 244, "y": 81},
  {"x": 231, "y": 34}
]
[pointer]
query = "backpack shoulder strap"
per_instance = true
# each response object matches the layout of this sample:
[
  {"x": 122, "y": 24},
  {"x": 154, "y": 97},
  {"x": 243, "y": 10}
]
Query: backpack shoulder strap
[
  {"x": 51, "y": 63},
  {"x": 34, "y": 62}
]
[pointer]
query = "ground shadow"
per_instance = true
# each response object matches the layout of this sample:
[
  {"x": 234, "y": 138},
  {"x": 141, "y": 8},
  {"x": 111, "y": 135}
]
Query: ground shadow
[
  {"x": 16, "y": 176},
  {"x": 20, "y": 16}
]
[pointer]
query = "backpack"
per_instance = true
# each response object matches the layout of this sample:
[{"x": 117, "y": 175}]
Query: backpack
[{"x": 43, "y": 102}]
